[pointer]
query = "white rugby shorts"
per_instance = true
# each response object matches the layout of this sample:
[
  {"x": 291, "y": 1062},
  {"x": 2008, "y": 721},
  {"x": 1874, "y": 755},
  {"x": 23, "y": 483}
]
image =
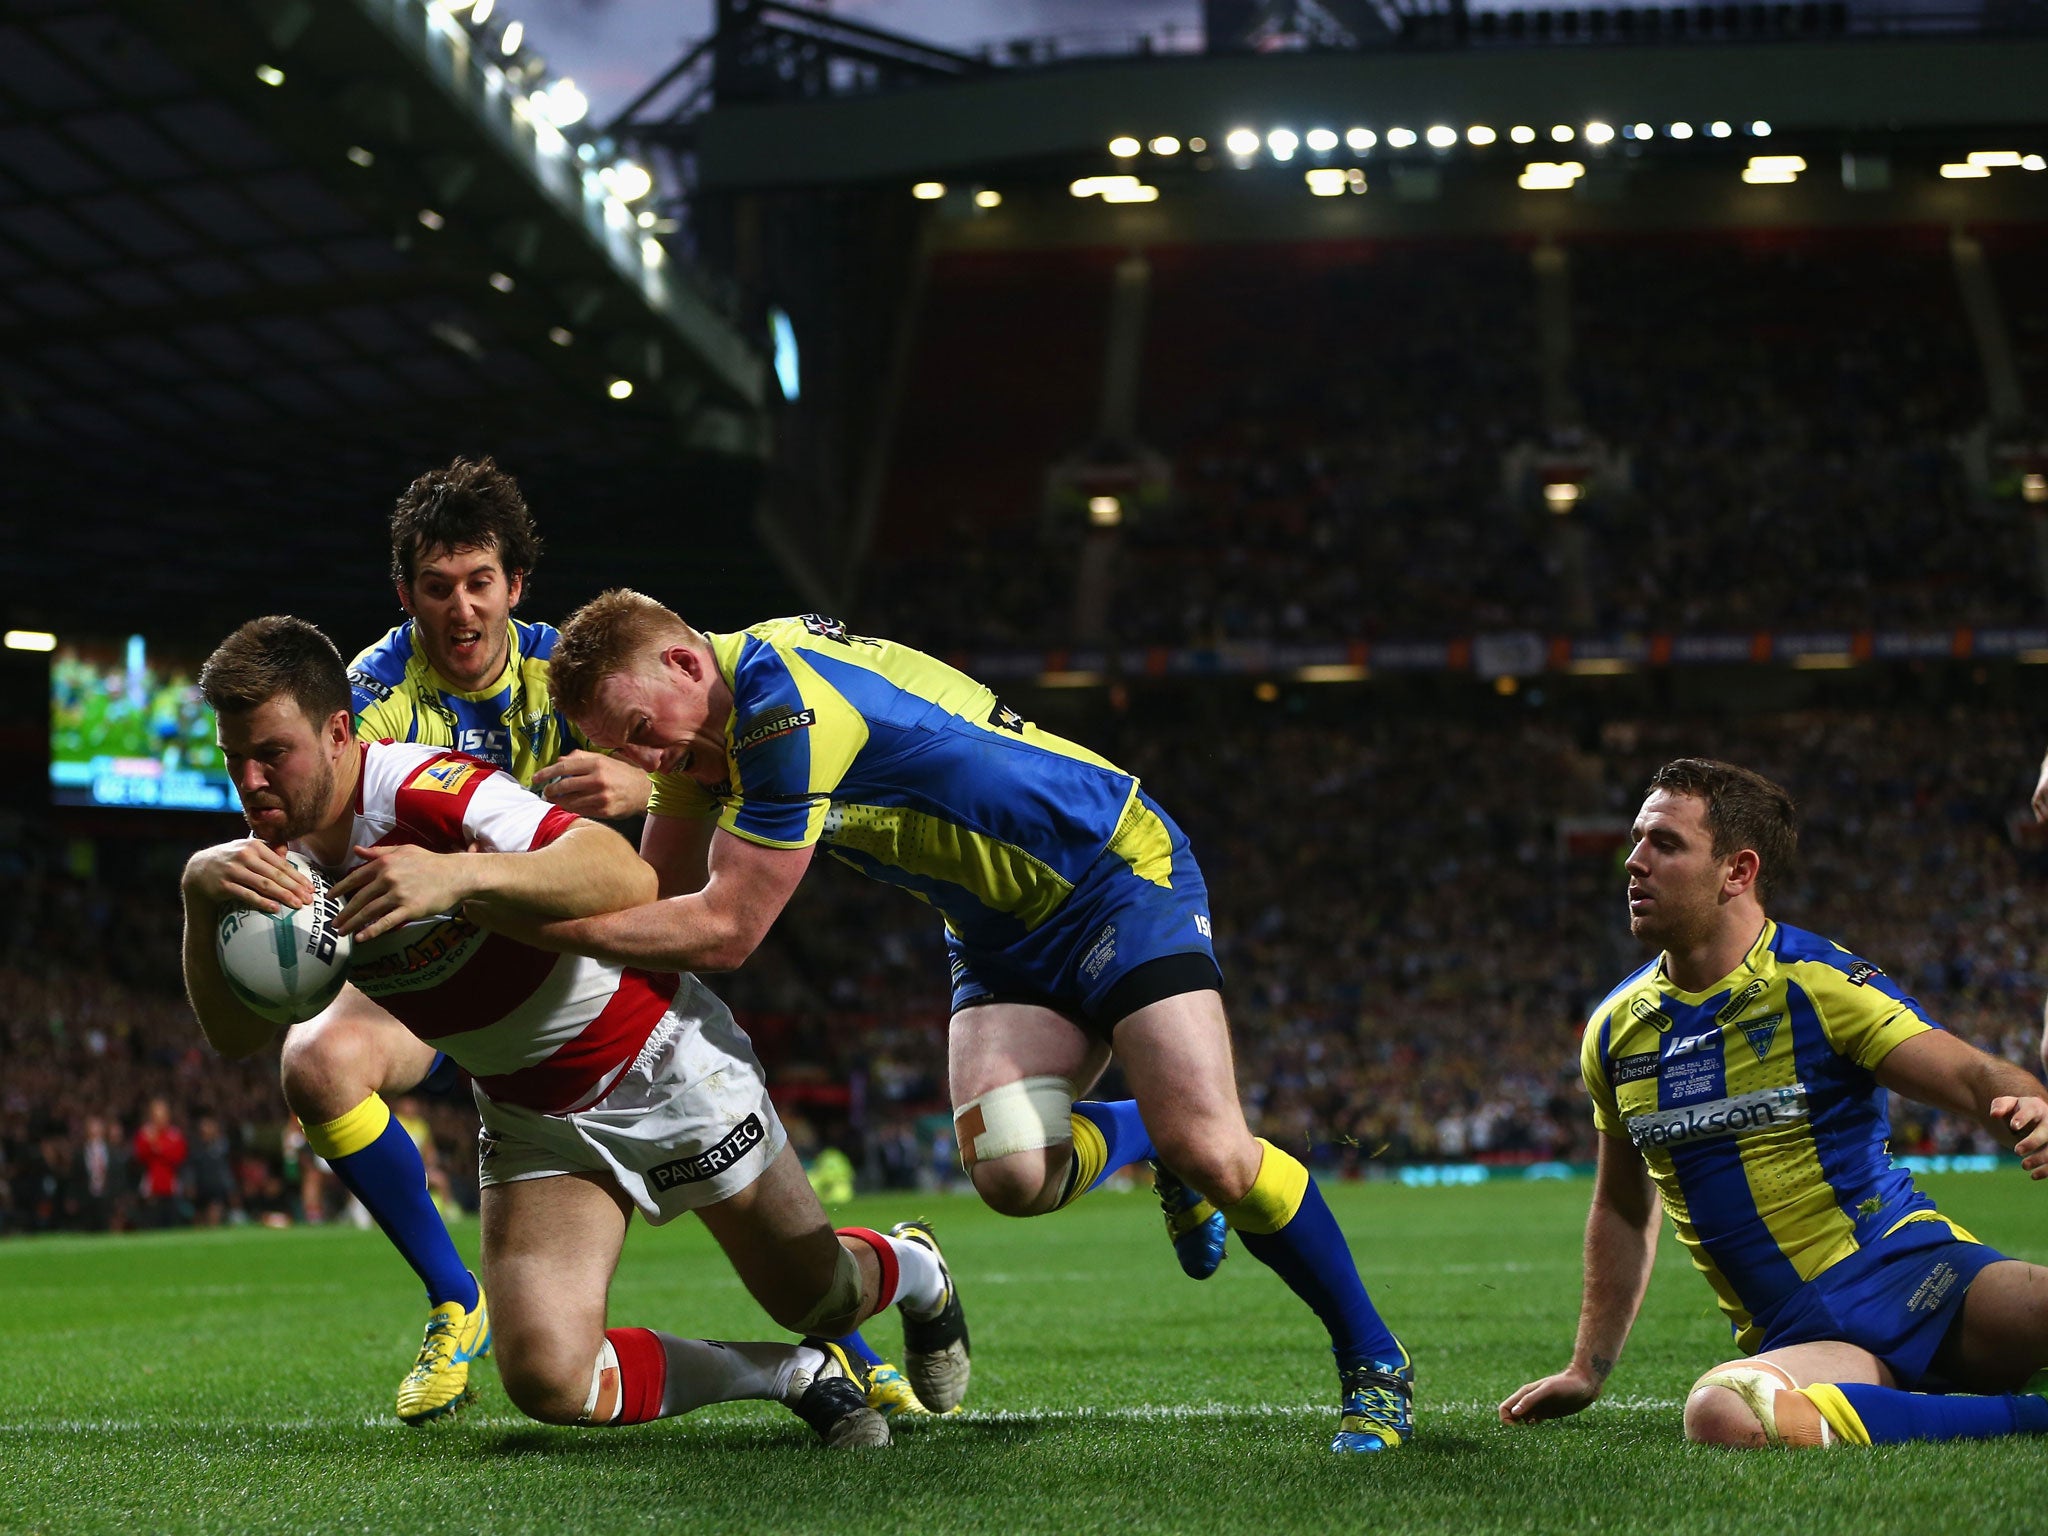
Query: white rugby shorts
[{"x": 688, "y": 1124}]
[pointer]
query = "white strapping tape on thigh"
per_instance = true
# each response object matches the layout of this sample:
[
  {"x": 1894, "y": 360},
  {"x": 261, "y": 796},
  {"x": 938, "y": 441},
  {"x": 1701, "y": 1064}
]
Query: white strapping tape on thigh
[
  {"x": 841, "y": 1299},
  {"x": 1022, "y": 1116}
]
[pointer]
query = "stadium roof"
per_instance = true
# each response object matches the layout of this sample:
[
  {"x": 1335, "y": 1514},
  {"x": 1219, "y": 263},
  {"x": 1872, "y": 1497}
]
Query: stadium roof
[{"x": 260, "y": 264}]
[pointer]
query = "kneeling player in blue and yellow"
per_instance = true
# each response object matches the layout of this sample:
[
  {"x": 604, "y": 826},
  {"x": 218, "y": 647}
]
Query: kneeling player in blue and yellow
[
  {"x": 1742, "y": 1076},
  {"x": 1075, "y": 916}
]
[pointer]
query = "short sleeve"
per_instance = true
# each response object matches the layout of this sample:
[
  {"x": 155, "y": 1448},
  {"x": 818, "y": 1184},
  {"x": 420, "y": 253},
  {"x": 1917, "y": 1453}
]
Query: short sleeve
[
  {"x": 451, "y": 803},
  {"x": 793, "y": 738},
  {"x": 1864, "y": 1013},
  {"x": 1593, "y": 1070},
  {"x": 682, "y": 797}
]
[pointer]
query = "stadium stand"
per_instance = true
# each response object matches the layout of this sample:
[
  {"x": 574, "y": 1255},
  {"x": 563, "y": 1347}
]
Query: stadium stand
[{"x": 1414, "y": 915}]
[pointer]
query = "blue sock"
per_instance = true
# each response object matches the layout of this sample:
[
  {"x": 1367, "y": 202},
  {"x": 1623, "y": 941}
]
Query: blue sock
[
  {"x": 858, "y": 1347},
  {"x": 1306, "y": 1248},
  {"x": 1892, "y": 1416},
  {"x": 1108, "y": 1135},
  {"x": 373, "y": 1156}
]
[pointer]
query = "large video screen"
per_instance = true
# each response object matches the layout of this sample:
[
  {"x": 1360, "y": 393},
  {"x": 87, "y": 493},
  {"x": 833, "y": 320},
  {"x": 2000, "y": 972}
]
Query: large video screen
[{"x": 128, "y": 727}]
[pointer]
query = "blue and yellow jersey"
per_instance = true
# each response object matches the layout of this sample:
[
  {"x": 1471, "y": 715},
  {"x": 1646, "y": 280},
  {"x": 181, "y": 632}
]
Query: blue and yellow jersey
[
  {"x": 514, "y": 724},
  {"x": 1755, "y": 1107},
  {"x": 916, "y": 775}
]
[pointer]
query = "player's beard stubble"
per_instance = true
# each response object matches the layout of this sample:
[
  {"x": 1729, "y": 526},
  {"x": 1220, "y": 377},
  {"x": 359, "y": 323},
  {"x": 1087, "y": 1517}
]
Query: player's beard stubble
[{"x": 304, "y": 808}]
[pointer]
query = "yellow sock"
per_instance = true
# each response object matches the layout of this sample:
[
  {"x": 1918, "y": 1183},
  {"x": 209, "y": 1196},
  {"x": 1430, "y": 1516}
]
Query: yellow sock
[
  {"x": 1276, "y": 1194},
  {"x": 1091, "y": 1152},
  {"x": 350, "y": 1132},
  {"x": 1840, "y": 1414}
]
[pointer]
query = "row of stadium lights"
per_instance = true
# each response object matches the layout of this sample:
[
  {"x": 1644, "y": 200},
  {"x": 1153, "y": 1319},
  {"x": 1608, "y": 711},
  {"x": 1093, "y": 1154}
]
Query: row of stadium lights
[
  {"x": 1536, "y": 176},
  {"x": 548, "y": 110}
]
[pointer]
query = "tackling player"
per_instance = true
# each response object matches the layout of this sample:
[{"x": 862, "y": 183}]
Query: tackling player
[
  {"x": 1075, "y": 914},
  {"x": 601, "y": 1089},
  {"x": 462, "y": 672},
  {"x": 1741, "y": 1076}
]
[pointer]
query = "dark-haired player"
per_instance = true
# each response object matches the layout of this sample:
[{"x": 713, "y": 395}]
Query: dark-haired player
[
  {"x": 461, "y": 672},
  {"x": 602, "y": 1090},
  {"x": 1741, "y": 1077}
]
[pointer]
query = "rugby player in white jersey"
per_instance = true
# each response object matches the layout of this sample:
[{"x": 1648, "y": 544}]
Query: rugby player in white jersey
[{"x": 602, "y": 1089}]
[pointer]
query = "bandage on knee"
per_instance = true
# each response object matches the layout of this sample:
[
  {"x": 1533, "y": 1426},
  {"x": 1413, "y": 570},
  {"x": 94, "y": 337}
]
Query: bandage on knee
[
  {"x": 841, "y": 1299},
  {"x": 1023, "y": 1116},
  {"x": 1790, "y": 1417}
]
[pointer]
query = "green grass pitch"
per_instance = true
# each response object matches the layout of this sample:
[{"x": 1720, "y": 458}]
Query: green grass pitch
[{"x": 242, "y": 1380}]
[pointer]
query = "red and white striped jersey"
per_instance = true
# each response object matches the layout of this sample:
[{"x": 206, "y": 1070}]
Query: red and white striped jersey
[{"x": 548, "y": 1032}]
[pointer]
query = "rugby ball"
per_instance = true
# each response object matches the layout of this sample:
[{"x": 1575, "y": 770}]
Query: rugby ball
[{"x": 287, "y": 966}]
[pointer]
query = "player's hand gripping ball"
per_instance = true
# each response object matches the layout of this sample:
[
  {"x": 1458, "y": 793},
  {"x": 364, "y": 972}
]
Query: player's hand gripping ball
[{"x": 288, "y": 965}]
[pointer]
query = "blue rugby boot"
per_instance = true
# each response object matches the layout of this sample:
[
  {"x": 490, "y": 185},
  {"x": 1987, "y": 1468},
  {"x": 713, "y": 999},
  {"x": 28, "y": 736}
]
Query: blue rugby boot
[
  {"x": 1379, "y": 1405},
  {"x": 1196, "y": 1228}
]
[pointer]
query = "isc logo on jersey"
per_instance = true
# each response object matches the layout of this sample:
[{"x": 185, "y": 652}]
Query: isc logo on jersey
[{"x": 446, "y": 778}]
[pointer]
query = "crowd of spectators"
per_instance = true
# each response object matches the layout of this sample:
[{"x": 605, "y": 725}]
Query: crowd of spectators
[
  {"x": 1773, "y": 421},
  {"x": 1415, "y": 915}
]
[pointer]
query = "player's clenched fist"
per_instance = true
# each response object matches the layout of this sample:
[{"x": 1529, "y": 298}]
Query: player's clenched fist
[
  {"x": 399, "y": 884},
  {"x": 591, "y": 784},
  {"x": 248, "y": 873}
]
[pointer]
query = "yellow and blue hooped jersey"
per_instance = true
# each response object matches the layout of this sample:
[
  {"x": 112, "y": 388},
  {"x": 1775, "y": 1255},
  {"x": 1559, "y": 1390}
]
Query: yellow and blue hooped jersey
[
  {"x": 513, "y": 724},
  {"x": 1755, "y": 1107},
  {"x": 916, "y": 775}
]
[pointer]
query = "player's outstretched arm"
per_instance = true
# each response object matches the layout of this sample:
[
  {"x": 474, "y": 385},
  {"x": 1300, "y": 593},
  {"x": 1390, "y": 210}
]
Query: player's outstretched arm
[
  {"x": 1937, "y": 1069},
  {"x": 713, "y": 929},
  {"x": 588, "y": 869},
  {"x": 245, "y": 873},
  {"x": 1621, "y": 1248}
]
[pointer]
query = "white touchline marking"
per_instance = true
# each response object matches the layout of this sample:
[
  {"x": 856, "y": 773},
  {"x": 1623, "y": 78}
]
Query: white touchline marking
[{"x": 1139, "y": 1413}]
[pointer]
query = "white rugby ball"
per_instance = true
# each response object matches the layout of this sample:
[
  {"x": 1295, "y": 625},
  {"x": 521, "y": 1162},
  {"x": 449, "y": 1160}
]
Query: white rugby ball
[{"x": 287, "y": 966}]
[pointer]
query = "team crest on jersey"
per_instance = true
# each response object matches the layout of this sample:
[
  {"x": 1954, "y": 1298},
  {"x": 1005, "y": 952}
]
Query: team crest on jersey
[
  {"x": 775, "y": 725},
  {"x": 1742, "y": 1000},
  {"x": 1759, "y": 1033},
  {"x": 1860, "y": 973},
  {"x": 444, "y": 778},
  {"x": 1004, "y": 718},
  {"x": 1648, "y": 1013}
]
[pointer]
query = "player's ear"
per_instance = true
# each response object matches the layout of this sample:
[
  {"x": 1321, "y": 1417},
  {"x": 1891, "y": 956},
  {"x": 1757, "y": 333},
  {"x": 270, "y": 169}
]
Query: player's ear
[
  {"x": 404, "y": 597},
  {"x": 341, "y": 729},
  {"x": 515, "y": 583},
  {"x": 1743, "y": 870}
]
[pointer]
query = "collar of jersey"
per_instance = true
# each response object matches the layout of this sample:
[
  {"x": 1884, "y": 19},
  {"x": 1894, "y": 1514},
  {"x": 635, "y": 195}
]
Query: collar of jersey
[
  {"x": 1751, "y": 962},
  {"x": 441, "y": 684}
]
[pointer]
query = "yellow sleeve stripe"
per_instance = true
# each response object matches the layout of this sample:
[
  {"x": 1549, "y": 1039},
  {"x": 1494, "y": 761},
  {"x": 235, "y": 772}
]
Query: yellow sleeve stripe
[{"x": 350, "y": 1132}]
